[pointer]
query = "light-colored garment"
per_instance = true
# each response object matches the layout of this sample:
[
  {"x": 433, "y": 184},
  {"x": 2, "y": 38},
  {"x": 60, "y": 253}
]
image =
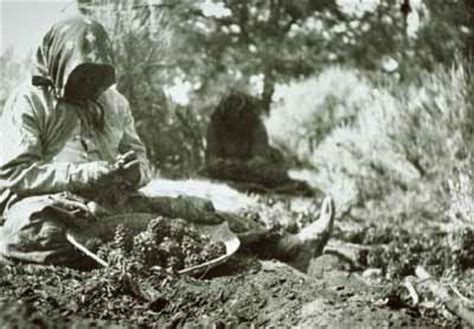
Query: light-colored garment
[
  {"x": 61, "y": 132},
  {"x": 62, "y": 129},
  {"x": 46, "y": 146}
]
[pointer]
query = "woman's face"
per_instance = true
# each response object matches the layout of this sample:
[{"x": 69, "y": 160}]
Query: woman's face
[{"x": 87, "y": 82}]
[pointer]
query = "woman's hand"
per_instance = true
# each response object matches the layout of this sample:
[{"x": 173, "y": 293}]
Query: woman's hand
[{"x": 127, "y": 167}]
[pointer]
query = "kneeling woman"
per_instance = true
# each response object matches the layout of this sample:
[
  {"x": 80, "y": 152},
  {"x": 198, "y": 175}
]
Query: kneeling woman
[{"x": 69, "y": 149}]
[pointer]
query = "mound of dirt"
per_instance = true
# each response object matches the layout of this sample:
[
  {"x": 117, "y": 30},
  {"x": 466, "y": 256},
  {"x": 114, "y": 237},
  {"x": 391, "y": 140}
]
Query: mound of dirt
[{"x": 258, "y": 293}]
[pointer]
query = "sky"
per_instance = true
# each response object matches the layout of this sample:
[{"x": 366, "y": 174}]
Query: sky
[{"x": 24, "y": 23}]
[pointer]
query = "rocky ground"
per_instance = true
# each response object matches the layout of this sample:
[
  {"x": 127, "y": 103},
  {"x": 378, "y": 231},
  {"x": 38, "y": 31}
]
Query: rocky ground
[{"x": 339, "y": 290}]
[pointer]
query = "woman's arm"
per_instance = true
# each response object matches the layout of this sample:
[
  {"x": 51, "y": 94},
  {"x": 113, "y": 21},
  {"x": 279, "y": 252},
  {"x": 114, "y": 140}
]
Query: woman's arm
[
  {"x": 23, "y": 169},
  {"x": 132, "y": 142}
]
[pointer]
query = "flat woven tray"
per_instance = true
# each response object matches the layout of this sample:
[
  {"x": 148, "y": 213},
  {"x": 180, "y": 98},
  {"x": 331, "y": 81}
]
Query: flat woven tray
[
  {"x": 138, "y": 221},
  {"x": 217, "y": 233}
]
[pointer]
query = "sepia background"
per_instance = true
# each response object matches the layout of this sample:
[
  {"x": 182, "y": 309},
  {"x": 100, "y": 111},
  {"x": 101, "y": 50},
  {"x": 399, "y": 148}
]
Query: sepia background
[{"x": 371, "y": 101}]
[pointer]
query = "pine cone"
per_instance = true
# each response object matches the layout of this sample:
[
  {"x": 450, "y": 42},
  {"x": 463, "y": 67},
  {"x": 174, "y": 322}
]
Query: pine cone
[
  {"x": 159, "y": 228},
  {"x": 104, "y": 250},
  {"x": 175, "y": 263},
  {"x": 213, "y": 250},
  {"x": 190, "y": 246},
  {"x": 116, "y": 257},
  {"x": 192, "y": 232},
  {"x": 145, "y": 249},
  {"x": 172, "y": 252},
  {"x": 123, "y": 239},
  {"x": 170, "y": 247},
  {"x": 177, "y": 230},
  {"x": 193, "y": 259}
]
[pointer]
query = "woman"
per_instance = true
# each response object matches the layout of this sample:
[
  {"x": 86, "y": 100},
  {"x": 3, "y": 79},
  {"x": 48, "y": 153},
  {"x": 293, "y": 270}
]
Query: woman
[{"x": 68, "y": 138}]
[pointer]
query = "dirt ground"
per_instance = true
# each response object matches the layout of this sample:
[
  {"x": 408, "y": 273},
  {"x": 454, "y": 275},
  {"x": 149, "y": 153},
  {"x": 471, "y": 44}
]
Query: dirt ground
[
  {"x": 256, "y": 294},
  {"x": 245, "y": 292}
]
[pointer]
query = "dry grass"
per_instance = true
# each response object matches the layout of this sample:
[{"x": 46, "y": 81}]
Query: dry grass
[
  {"x": 380, "y": 138},
  {"x": 461, "y": 196}
]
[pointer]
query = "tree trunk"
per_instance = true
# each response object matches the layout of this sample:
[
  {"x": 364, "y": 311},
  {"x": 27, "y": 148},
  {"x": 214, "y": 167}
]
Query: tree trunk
[
  {"x": 268, "y": 89},
  {"x": 470, "y": 40}
]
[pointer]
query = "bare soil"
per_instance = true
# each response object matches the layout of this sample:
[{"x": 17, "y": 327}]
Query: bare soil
[{"x": 246, "y": 292}]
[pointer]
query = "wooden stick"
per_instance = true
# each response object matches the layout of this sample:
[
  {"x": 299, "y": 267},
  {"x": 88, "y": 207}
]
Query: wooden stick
[
  {"x": 86, "y": 251},
  {"x": 350, "y": 252}
]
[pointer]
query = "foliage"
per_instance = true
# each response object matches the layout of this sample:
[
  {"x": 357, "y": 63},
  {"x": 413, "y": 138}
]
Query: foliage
[
  {"x": 13, "y": 71},
  {"x": 140, "y": 39},
  {"x": 397, "y": 135},
  {"x": 256, "y": 45},
  {"x": 448, "y": 20},
  {"x": 305, "y": 112},
  {"x": 461, "y": 196},
  {"x": 208, "y": 47}
]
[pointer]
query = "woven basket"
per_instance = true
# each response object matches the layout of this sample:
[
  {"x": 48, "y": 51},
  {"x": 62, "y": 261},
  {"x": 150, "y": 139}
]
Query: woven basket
[{"x": 138, "y": 222}]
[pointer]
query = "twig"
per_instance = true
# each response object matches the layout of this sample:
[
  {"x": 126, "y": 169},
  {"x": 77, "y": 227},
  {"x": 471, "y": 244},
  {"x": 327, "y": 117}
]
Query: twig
[
  {"x": 453, "y": 303},
  {"x": 458, "y": 293},
  {"x": 350, "y": 252},
  {"x": 412, "y": 291},
  {"x": 86, "y": 251}
]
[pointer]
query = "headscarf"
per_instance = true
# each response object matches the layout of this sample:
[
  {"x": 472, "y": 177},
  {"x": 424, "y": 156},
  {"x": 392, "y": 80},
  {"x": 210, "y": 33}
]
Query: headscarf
[{"x": 74, "y": 62}]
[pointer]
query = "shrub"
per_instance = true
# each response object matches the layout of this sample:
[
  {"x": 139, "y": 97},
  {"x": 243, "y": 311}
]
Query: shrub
[
  {"x": 461, "y": 196},
  {"x": 397, "y": 135},
  {"x": 140, "y": 38},
  {"x": 13, "y": 71},
  {"x": 307, "y": 111}
]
